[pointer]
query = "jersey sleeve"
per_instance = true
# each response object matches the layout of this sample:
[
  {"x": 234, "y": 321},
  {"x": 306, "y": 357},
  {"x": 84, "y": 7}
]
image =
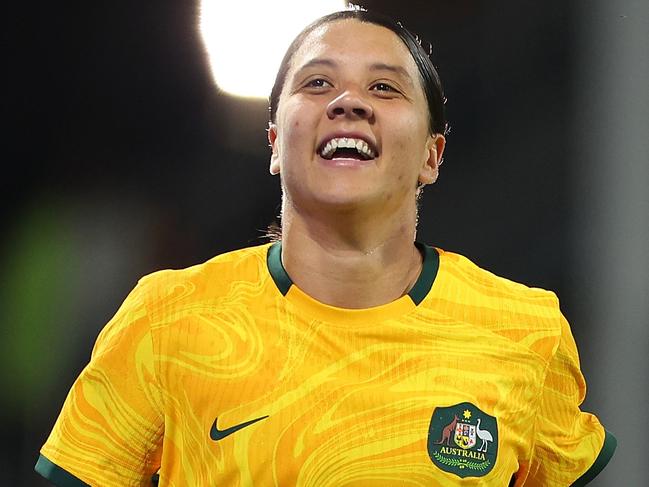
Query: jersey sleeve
[
  {"x": 571, "y": 446},
  {"x": 109, "y": 432}
]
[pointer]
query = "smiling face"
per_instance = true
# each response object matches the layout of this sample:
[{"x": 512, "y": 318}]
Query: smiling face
[{"x": 352, "y": 124}]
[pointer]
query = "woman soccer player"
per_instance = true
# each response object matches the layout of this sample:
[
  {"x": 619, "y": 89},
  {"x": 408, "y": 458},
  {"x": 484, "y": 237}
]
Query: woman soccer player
[{"x": 346, "y": 353}]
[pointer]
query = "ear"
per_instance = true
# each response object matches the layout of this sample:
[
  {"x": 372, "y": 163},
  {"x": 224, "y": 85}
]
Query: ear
[
  {"x": 435, "y": 149},
  {"x": 274, "y": 157}
]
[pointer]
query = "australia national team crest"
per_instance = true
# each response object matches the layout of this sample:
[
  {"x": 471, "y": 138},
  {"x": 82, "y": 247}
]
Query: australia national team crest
[{"x": 463, "y": 440}]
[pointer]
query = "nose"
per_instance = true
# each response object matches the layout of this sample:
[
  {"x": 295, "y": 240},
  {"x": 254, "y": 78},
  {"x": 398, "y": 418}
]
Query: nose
[{"x": 349, "y": 105}]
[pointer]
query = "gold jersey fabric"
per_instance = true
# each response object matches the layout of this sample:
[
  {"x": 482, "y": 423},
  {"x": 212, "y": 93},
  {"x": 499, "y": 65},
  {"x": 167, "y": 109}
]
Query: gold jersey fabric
[{"x": 227, "y": 374}]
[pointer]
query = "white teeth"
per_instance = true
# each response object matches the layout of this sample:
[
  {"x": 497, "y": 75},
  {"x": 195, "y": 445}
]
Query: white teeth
[{"x": 347, "y": 143}]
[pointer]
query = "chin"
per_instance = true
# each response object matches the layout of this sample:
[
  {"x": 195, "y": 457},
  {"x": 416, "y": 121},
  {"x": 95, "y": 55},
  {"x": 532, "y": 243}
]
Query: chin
[
  {"x": 340, "y": 194},
  {"x": 345, "y": 201}
]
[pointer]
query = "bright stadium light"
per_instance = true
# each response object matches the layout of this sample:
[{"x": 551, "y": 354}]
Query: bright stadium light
[{"x": 245, "y": 41}]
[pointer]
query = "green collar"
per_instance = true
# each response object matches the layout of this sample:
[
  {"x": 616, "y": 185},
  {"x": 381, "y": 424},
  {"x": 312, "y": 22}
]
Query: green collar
[{"x": 417, "y": 293}]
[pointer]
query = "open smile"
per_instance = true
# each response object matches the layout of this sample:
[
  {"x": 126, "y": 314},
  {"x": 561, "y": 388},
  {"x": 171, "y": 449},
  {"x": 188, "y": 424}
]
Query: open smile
[{"x": 347, "y": 148}]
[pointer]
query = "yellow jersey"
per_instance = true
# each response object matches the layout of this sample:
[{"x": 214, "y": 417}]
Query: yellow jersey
[{"x": 227, "y": 374}]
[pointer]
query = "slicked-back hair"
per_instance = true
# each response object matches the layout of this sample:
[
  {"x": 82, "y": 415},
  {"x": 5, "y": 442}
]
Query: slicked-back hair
[{"x": 429, "y": 77}]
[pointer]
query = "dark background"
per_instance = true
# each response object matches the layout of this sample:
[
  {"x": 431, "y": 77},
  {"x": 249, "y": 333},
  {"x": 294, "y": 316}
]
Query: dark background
[{"x": 121, "y": 158}]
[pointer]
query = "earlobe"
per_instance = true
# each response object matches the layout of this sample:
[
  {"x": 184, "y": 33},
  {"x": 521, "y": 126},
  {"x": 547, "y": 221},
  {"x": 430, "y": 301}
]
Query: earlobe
[
  {"x": 435, "y": 150},
  {"x": 274, "y": 156}
]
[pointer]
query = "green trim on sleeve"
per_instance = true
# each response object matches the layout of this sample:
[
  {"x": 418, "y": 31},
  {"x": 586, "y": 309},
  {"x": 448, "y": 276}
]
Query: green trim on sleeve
[
  {"x": 57, "y": 475},
  {"x": 276, "y": 268},
  {"x": 605, "y": 454}
]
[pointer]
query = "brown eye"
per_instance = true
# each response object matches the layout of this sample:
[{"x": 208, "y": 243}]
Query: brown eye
[
  {"x": 383, "y": 87},
  {"x": 318, "y": 83}
]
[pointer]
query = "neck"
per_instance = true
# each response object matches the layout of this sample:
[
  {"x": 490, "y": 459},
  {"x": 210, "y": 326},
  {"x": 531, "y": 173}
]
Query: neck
[{"x": 351, "y": 260}]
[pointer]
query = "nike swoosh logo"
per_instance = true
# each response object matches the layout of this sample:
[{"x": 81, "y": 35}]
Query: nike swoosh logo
[{"x": 216, "y": 434}]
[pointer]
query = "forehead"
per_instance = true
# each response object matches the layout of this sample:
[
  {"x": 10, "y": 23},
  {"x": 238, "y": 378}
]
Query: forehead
[{"x": 354, "y": 41}]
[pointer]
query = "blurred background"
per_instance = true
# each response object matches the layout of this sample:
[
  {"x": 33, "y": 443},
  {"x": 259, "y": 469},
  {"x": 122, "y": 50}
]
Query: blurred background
[{"x": 122, "y": 157}]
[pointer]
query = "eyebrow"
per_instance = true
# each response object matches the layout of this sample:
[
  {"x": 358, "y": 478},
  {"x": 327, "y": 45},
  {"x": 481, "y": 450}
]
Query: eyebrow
[
  {"x": 399, "y": 70},
  {"x": 317, "y": 62}
]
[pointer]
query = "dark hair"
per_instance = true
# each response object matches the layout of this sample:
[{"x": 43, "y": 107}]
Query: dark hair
[{"x": 429, "y": 76}]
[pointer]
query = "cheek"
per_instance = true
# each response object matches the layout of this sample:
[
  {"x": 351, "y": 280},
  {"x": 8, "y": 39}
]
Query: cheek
[
  {"x": 295, "y": 131},
  {"x": 408, "y": 154},
  {"x": 409, "y": 130},
  {"x": 295, "y": 113}
]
